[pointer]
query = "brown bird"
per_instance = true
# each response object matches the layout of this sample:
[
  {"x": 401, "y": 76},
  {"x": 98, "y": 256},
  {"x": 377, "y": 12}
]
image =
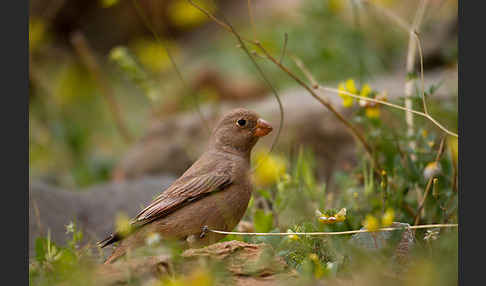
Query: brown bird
[{"x": 213, "y": 192}]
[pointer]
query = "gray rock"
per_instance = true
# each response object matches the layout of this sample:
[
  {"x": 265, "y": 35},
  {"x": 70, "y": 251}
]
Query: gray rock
[{"x": 93, "y": 209}]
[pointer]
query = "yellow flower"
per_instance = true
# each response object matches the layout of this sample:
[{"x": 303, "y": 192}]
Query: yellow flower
[
  {"x": 424, "y": 133},
  {"x": 341, "y": 215},
  {"x": 292, "y": 236},
  {"x": 365, "y": 90},
  {"x": 351, "y": 87},
  {"x": 152, "y": 55},
  {"x": 269, "y": 168},
  {"x": 387, "y": 218},
  {"x": 184, "y": 15},
  {"x": 122, "y": 224},
  {"x": 431, "y": 170},
  {"x": 338, "y": 217},
  {"x": 347, "y": 100},
  {"x": 313, "y": 257},
  {"x": 371, "y": 223},
  {"x": 372, "y": 112},
  {"x": 318, "y": 270}
]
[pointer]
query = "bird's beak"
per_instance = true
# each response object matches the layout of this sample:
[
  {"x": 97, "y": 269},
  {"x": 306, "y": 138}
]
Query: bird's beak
[{"x": 262, "y": 128}]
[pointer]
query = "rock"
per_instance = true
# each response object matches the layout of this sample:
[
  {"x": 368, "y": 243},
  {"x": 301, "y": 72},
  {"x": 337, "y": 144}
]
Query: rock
[
  {"x": 92, "y": 209},
  {"x": 242, "y": 258},
  {"x": 401, "y": 241},
  {"x": 247, "y": 264}
]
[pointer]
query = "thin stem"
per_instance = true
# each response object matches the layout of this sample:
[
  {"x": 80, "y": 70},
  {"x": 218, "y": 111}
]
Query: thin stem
[
  {"x": 421, "y": 57},
  {"x": 306, "y": 72},
  {"x": 284, "y": 49},
  {"x": 252, "y": 22},
  {"x": 422, "y": 202},
  {"x": 332, "y": 233}
]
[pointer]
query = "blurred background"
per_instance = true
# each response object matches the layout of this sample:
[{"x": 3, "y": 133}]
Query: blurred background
[{"x": 112, "y": 122}]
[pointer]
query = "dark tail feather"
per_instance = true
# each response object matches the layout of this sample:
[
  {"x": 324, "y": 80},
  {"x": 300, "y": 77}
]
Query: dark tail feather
[{"x": 109, "y": 240}]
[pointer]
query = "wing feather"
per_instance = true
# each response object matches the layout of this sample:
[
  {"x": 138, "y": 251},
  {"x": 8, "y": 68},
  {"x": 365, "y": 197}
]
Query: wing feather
[{"x": 181, "y": 193}]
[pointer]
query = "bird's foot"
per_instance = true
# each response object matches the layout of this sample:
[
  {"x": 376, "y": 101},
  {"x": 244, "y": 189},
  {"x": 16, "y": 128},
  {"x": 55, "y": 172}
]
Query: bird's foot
[{"x": 204, "y": 230}]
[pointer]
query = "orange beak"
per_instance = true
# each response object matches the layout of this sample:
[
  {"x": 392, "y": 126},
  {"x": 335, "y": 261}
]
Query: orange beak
[{"x": 262, "y": 128}]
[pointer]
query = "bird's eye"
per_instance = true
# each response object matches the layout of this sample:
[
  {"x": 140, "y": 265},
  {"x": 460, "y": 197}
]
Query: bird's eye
[{"x": 241, "y": 122}]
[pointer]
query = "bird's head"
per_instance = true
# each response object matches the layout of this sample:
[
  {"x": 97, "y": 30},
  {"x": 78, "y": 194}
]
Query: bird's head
[{"x": 239, "y": 130}]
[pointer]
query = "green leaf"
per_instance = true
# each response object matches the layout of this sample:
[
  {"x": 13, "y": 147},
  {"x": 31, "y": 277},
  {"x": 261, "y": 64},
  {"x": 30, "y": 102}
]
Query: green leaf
[
  {"x": 262, "y": 222},
  {"x": 265, "y": 194},
  {"x": 40, "y": 249}
]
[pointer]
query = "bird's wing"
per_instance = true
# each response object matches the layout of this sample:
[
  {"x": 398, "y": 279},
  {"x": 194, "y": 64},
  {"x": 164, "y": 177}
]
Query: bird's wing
[{"x": 182, "y": 192}]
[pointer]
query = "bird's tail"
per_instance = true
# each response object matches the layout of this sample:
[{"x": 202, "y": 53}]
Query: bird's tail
[{"x": 109, "y": 240}]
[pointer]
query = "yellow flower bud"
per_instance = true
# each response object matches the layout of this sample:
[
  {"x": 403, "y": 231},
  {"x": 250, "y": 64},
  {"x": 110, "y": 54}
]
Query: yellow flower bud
[
  {"x": 365, "y": 90},
  {"x": 347, "y": 100},
  {"x": 270, "y": 168},
  {"x": 341, "y": 215},
  {"x": 431, "y": 170},
  {"x": 313, "y": 257},
  {"x": 372, "y": 112},
  {"x": 387, "y": 218},
  {"x": 292, "y": 236},
  {"x": 370, "y": 223},
  {"x": 350, "y": 86}
]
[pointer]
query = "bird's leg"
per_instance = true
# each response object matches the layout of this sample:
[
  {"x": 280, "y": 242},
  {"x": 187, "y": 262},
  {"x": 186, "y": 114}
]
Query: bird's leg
[{"x": 204, "y": 230}]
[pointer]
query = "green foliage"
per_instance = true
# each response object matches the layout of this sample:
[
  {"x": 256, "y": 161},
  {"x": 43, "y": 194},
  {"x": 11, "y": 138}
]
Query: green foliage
[
  {"x": 54, "y": 264},
  {"x": 133, "y": 70},
  {"x": 263, "y": 222}
]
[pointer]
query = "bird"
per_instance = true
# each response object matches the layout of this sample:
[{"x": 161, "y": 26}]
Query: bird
[{"x": 213, "y": 193}]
